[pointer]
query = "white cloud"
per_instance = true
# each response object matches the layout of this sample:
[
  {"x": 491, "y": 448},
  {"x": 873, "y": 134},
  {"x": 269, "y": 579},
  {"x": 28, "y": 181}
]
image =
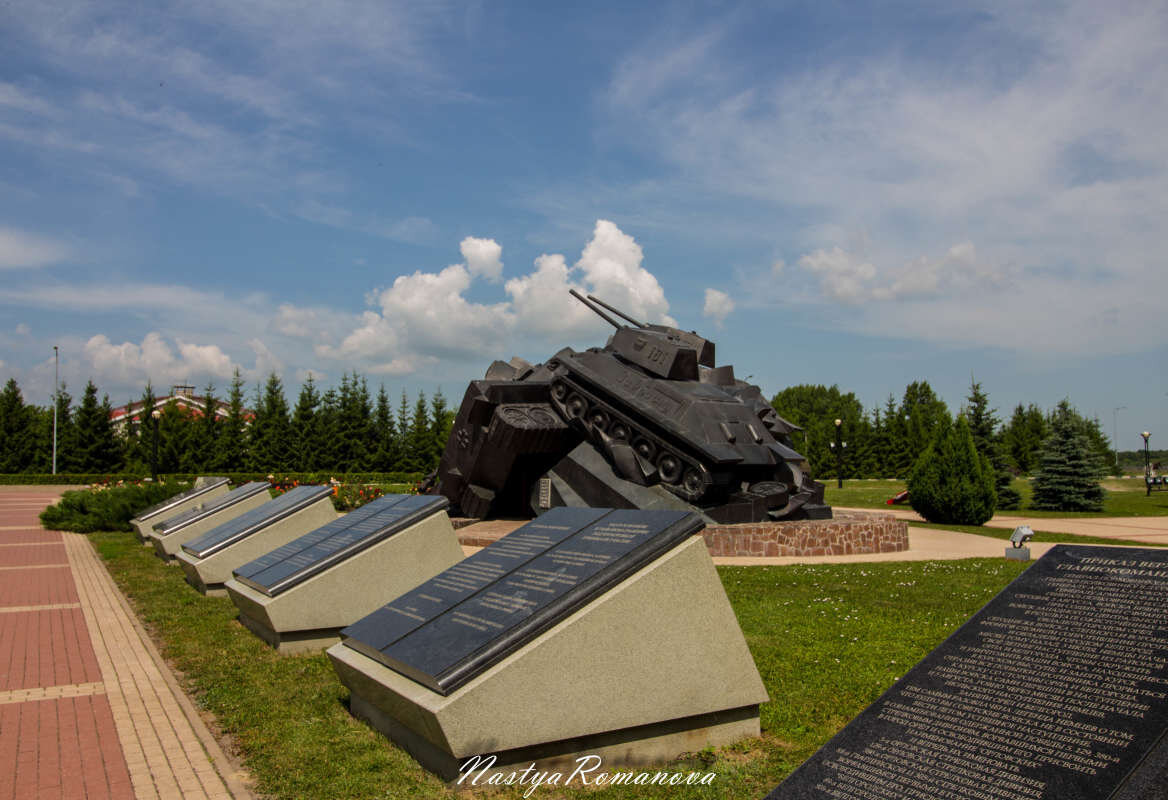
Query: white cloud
[
  {"x": 717, "y": 306},
  {"x": 482, "y": 257},
  {"x": 20, "y": 249},
  {"x": 22, "y": 329},
  {"x": 154, "y": 360}
]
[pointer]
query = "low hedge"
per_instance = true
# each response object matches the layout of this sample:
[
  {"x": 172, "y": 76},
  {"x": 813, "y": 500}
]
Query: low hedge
[{"x": 109, "y": 509}]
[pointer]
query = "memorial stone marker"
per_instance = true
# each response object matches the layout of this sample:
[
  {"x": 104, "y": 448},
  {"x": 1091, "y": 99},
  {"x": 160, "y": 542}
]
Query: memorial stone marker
[
  {"x": 1056, "y": 690},
  {"x": 208, "y": 559},
  {"x": 205, "y": 489},
  {"x": 171, "y": 534},
  {"x": 585, "y": 630},
  {"x": 298, "y": 596}
]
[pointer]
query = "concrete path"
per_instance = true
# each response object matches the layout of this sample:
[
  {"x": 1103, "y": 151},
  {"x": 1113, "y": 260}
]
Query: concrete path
[
  {"x": 1153, "y": 530},
  {"x": 88, "y": 709}
]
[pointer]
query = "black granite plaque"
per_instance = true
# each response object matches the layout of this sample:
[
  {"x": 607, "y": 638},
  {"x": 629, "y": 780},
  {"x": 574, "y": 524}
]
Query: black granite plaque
[
  {"x": 181, "y": 497},
  {"x": 236, "y": 495},
  {"x": 331, "y": 544},
  {"x": 467, "y": 618},
  {"x": 1055, "y": 690},
  {"x": 257, "y": 519}
]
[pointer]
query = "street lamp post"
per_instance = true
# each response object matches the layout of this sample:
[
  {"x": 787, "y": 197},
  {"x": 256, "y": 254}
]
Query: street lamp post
[
  {"x": 1115, "y": 424},
  {"x": 838, "y": 446},
  {"x": 56, "y": 397},
  {"x": 154, "y": 415},
  {"x": 1146, "y": 435}
]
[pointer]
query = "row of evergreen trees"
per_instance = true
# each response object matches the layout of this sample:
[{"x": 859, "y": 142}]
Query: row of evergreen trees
[
  {"x": 343, "y": 429},
  {"x": 887, "y": 441}
]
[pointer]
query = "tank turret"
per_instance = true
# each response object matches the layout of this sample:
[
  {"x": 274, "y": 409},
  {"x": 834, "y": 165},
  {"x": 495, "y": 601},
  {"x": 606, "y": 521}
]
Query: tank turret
[{"x": 668, "y": 425}]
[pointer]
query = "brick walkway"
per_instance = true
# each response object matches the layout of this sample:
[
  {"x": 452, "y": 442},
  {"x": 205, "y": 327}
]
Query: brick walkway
[{"x": 87, "y": 707}]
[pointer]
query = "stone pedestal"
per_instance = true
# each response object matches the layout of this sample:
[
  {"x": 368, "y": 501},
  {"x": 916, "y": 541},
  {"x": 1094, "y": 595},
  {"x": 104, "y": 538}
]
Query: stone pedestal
[
  {"x": 204, "y": 490},
  {"x": 210, "y": 572},
  {"x": 653, "y": 667},
  {"x": 168, "y": 536},
  {"x": 309, "y": 615}
]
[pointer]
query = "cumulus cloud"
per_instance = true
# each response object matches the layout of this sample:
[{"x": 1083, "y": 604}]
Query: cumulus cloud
[
  {"x": 718, "y": 305},
  {"x": 155, "y": 360},
  {"x": 429, "y": 316},
  {"x": 23, "y": 250},
  {"x": 483, "y": 257}
]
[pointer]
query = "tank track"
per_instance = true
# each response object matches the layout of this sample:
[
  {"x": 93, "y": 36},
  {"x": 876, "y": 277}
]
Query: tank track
[{"x": 660, "y": 461}]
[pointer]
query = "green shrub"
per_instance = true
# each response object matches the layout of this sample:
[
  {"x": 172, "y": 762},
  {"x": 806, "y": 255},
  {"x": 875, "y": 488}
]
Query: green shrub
[
  {"x": 107, "y": 508},
  {"x": 951, "y": 482},
  {"x": 1069, "y": 468}
]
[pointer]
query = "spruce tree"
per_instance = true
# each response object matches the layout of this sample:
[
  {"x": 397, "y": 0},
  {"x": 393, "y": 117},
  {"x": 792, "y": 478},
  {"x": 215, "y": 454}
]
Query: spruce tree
[
  {"x": 1023, "y": 436},
  {"x": 174, "y": 426},
  {"x": 952, "y": 483},
  {"x": 983, "y": 426},
  {"x": 66, "y": 434},
  {"x": 306, "y": 427},
  {"x": 95, "y": 447},
  {"x": 328, "y": 428},
  {"x": 385, "y": 457},
  {"x": 144, "y": 423},
  {"x": 271, "y": 431},
  {"x": 419, "y": 449},
  {"x": 404, "y": 433},
  {"x": 17, "y": 430},
  {"x": 199, "y": 454},
  {"x": 231, "y": 447},
  {"x": 1069, "y": 468},
  {"x": 921, "y": 413},
  {"x": 441, "y": 421}
]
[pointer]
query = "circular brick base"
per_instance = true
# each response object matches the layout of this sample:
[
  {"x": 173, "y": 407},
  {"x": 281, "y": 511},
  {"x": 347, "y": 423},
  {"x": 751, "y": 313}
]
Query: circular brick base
[{"x": 849, "y": 533}]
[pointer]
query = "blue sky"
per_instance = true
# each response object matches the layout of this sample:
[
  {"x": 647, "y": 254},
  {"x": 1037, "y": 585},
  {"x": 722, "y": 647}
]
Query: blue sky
[{"x": 834, "y": 193}]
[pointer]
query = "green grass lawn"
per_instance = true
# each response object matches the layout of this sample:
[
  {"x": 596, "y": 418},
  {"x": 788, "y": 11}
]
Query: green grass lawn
[
  {"x": 1124, "y": 498},
  {"x": 827, "y": 639}
]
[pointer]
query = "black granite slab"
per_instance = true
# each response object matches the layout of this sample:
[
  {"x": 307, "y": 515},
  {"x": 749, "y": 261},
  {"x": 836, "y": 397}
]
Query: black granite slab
[
  {"x": 181, "y": 497},
  {"x": 444, "y": 632},
  {"x": 360, "y": 529},
  {"x": 190, "y": 517},
  {"x": 257, "y": 519},
  {"x": 1056, "y": 690}
]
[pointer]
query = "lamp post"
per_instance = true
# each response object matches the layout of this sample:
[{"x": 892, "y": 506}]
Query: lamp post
[
  {"x": 1114, "y": 424},
  {"x": 154, "y": 415},
  {"x": 838, "y": 446},
  {"x": 1146, "y": 435},
  {"x": 56, "y": 397}
]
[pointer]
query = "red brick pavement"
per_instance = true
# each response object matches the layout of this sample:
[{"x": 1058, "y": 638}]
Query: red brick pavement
[{"x": 57, "y": 733}]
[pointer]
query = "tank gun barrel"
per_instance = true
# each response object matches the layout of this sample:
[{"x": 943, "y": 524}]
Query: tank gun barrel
[
  {"x": 616, "y": 311},
  {"x": 596, "y": 310}
]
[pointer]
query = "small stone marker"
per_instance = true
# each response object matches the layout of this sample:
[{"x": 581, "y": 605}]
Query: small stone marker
[
  {"x": 205, "y": 489},
  {"x": 209, "y": 559},
  {"x": 171, "y": 534},
  {"x": 1056, "y": 690},
  {"x": 299, "y": 596},
  {"x": 586, "y": 631}
]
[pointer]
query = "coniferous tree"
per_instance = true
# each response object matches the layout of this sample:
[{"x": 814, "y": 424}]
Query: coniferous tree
[
  {"x": 952, "y": 483},
  {"x": 174, "y": 426},
  {"x": 441, "y": 421},
  {"x": 66, "y": 434},
  {"x": 306, "y": 427},
  {"x": 404, "y": 433},
  {"x": 418, "y": 448},
  {"x": 199, "y": 454},
  {"x": 922, "y": 412},
  {"x": 95, "y": 446},
  {"x": 329, "y": 427},
  {"x": 1023, "y": 436},
  {"x": 356, "y": 437},
  {"x": 144, "y": 427},
  {"x": 385, "y": 457},
  {"x": 17, "y": 430},
  {"x": 983, "y": 426},
  {"x": 271, "y": 430},
  {"x": 1069, "y": 469},
  {"x": 898, "y": 460},
  {"x": 231, "y": 446}
]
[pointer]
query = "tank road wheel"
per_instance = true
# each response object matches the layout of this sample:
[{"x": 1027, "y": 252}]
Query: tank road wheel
[
  {"x": 576, "y": 407},
  {"x": 559, "y": 390},
  {"x": 692, "y": 483},
  {"x": 669, "y": 468},
  {"x": 619, "y": 432},
  {"x": 644, "y": 448},
  {"x": 598, "y": 420}
]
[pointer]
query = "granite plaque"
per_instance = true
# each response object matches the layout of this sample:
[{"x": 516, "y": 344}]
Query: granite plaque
[
  {"x": 246, "y": 524},
  {"x": 358, "y": 530},
  {"x": 237, "y": 495},
  {"x": 460, "y": 622},
  {"x": 1055, "y": 690},
  {"x": 180, "y": 498}
]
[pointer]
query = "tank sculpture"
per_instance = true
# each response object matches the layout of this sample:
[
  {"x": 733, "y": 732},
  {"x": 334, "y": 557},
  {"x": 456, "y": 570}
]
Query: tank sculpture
[{"x": 647, "y": 421}]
